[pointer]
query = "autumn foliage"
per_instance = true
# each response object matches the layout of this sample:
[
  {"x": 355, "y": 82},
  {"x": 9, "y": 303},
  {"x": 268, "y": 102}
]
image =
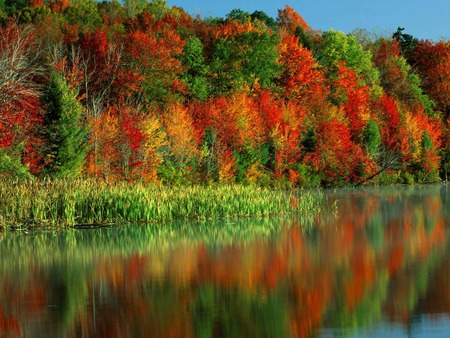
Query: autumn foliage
[{"x": 168, "y": 97}]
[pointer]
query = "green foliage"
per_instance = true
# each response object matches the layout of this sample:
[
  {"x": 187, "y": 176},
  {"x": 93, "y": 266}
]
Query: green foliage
[
  {"x": 304, "y": 38},
  {"x": 407, "y": 177},
  {"x": 371, "y": 137},
  {"x": 308, "y": 179},
  {"x": 29, "y": 15},
  {"x": 390, "y": 178},
  {"x": 263, "y": 17},
  {"x": 337, "y": 46},
  {"x": 410, "y": 90},
  {"x": 195, "y": 69},
  {"x": 65, "y": 132},
  {"x": 239, "y": 15},
  {"x": 424, "y": 176},
  {"x": 158, "y": 8},
  {"x": 134, "y": 7},
  {"x": 171, "y": 173},
  {"x": 426, "y": 142},
  {"x": 259, "y": 57},
  {"x": 248, "y": 157},
  {"x": 12, "y": 167},
  {"x": 11, "y": 6},
  {"x": 3, "y": 18},
  {"x": 416, "y": 91},
  {"x": 83, "y": 13},
  {"x": 406, "y": 42},
  {"x": 243, "y": 61}
]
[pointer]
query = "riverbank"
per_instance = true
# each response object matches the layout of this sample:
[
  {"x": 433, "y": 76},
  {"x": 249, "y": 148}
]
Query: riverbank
[{"x": 87, "y": 202}]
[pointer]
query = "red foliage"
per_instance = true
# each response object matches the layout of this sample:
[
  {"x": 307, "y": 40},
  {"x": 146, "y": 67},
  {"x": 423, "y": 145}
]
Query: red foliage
[
  {"x": 232, "y": 28},
  {"x": 432, "y": 61},
  {"x": 391, "y": 131},
  {"x": 357, "y": 99},
  {"x": 289, "y": 20},
  {"x": 36, "y": 3},
  {"x": 301, "y": 80},
  {"x": 20, "y": 107},
  {"x": 58, "y": 6}
]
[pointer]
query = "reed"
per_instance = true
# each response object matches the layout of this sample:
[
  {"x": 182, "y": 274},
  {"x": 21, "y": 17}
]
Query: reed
[{"x": 69, "y": 203}]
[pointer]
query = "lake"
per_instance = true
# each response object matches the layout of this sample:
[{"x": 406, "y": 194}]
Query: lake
[{"x": 378, "y": 265}]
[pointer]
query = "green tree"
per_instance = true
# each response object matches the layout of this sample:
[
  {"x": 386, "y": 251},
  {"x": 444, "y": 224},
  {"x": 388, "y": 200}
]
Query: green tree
[
  {"x": 158, "y": 8},
  {"x": 239, "y": 15},
  {"x": 243, "y": 61},
  {"x": 303, "y": 38},
  {"x": 195, "y": 69},
  {"x": 83, "y": 13},
  {"x": 397, "y": 77},
  {"x": 263, "y": 17},
  {"x": 337, "y": 46},
  {"x": 371, "y": 137},
  {"x": 12, "y": 166},
  {"x": 11, "y": 6},
  {"x": 134, "y": 7},
  {"x": 65, "y": 132},
  {"x": 406, "y": 42}
]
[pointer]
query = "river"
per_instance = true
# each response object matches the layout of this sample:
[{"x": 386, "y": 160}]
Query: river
[{"x": 378, "y": 265}]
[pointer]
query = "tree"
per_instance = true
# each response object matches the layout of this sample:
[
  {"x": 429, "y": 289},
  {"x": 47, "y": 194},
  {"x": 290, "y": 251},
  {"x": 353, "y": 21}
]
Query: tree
[
  {"x": 406, "y": 42},
  {"x": 134, "y": 7},
  {"x": 83, "y": 13},
  {"x": 336, "y": 46},
  {"x": 354, "y": 98},
  {"x": 300, "y": 78},
  {"x": 66, "y": 134},
  {"x": 371, "y": 137},
  {"x": 238, "y": 15},
  {"x": 20, "y": 91},
  {"x": 263, "y": 17},
  {"x": 397, "y": 77},
  {"x": 432, "y": 63},
  {"x": 244, "y": 60},
  {"x": 195, "y": 69},
  {"x": 304, "y": 38},
  {"x": 288, "y": 19},
  {"x": 156, "y": 57}
]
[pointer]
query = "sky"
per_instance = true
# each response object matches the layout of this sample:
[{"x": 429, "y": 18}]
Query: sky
[{"x": 424, "y": 19}]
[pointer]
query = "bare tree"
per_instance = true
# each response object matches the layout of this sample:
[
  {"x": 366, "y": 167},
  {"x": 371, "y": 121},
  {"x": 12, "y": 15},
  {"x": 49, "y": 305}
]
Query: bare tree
[{"x": 20, "y": 68}]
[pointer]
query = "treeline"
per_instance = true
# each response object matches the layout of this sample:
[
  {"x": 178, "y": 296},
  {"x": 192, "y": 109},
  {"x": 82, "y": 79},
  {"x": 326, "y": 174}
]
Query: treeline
[{"x": 143, "y": 91}]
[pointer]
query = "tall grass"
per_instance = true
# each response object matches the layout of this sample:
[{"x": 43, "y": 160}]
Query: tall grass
[{"x": 63, "y": 202}]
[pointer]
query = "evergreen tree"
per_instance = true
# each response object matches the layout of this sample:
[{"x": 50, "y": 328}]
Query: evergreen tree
[{"x": 66, "y": 134}]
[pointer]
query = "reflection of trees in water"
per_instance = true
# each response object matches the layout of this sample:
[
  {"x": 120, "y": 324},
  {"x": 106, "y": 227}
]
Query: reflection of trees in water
[{"x": 381, "y": 254}]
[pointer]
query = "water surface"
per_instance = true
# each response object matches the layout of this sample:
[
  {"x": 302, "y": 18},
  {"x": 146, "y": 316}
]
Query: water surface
[{"x": 378, "y": 266}]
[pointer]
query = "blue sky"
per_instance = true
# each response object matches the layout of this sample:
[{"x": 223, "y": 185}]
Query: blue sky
[{"x": 424, "y": 19}]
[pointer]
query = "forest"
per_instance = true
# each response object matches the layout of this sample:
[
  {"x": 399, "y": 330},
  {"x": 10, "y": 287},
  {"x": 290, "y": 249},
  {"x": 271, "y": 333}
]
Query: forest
[{"x": 141, "y": 91}]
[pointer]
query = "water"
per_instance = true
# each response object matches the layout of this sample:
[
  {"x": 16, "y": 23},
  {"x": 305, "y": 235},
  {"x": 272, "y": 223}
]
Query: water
[{"x": 378, "y": 266}]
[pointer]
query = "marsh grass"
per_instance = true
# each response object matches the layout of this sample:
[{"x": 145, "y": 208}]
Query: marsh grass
[{"x": 63, "y": 202}]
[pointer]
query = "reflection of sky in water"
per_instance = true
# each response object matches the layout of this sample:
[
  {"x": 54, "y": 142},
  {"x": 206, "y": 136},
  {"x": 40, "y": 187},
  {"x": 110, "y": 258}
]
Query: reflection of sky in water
[{"x": 421, "y": 327}]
